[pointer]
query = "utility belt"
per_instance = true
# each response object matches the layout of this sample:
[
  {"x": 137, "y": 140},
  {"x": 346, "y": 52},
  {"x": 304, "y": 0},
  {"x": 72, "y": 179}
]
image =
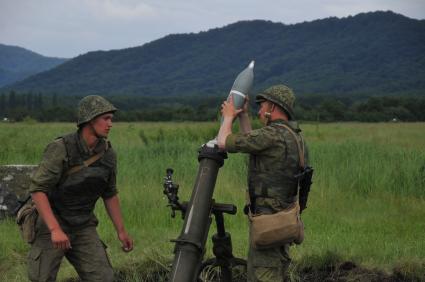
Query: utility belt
[
  {"x": 279, "y": 197},
  {"x": 262, "y": 205}
]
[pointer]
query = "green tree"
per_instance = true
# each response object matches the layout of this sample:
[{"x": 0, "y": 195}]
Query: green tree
[
  {"x": 55, "y": 100},
  {"x": 39, "y": 101},
  {"x": 29, "y": 101},
  {"x": 12, "y": 100},
  {"x": 2, "y": 103}
]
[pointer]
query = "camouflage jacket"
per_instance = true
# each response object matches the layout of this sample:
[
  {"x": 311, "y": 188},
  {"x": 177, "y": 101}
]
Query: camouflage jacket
[
  {"x": 73, "y": 197},
  {"x": 273, "y": 162}
]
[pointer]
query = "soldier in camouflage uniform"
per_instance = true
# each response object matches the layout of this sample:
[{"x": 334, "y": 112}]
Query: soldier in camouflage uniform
[
  {"x": 273, "y": 162},
  {"x": 65, "y": 189}
]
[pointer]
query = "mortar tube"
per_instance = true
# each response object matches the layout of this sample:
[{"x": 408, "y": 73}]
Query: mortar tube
[{"x": 190, "y": 245}]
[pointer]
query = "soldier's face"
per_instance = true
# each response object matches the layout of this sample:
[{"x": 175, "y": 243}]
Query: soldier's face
[
  {"x": 264, "y": 107},
  {"x": 102, "y": 124}
]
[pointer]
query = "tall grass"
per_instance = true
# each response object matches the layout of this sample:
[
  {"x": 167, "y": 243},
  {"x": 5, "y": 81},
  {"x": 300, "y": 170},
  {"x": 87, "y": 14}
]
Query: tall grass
[{"x": 366, "y": 203}]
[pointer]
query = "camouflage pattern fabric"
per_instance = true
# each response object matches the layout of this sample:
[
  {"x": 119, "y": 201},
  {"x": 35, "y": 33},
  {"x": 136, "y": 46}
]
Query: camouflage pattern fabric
[
  {"x": 280, "y": 95},
  {"x": 72, "y": 199},
  {"x": 274, "y": 160},
  {"x": 92, "y": 106},
  {"x": 269, "y": 265}
]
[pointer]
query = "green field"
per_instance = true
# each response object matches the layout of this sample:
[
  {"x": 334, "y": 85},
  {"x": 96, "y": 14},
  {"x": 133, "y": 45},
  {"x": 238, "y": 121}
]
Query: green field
[{"x": 367, "y": 203}]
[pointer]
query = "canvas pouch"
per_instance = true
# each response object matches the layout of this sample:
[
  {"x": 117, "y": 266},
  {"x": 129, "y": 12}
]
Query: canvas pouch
[
  {"x": 272, "y": 230},
  {"x": 26, "y": 219}
]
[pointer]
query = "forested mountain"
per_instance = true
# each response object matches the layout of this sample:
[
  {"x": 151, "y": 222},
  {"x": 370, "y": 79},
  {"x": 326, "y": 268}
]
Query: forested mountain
[
  {"x": 377, "y": 53},
  {"x": 17, "y": 63}
]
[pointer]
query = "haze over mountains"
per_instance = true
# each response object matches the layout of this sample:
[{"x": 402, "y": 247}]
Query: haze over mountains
[
  {"x": 377, "y": 53},
  {"x": 17, "y": 63}
]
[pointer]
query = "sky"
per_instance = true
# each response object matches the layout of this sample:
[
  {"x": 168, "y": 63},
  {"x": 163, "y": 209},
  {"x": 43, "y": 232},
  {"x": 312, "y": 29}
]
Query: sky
[{"x": 68, "y": 28}]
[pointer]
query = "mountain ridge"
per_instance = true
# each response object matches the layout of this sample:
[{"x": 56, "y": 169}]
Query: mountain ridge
[
  {"x": 371, "y": 53},
  {"x": 17, "y": 63}
]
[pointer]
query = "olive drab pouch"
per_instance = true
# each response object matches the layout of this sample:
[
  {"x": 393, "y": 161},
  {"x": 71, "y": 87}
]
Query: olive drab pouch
[
  {"x": 277, "y": 229},
  {"x": 26, "y": 219}
]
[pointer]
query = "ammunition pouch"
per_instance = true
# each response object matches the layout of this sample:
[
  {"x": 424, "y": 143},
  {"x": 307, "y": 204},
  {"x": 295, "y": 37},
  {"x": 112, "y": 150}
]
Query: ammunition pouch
[
  {"x": 26, "y": 219},
  {"x": 272, "y": 230}
]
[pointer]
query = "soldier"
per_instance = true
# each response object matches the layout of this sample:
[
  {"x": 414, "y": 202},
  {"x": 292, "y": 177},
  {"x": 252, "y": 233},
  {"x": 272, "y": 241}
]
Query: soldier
[
  {"x": 274, "y": 160},
  {"x": 75, "y": 171}
]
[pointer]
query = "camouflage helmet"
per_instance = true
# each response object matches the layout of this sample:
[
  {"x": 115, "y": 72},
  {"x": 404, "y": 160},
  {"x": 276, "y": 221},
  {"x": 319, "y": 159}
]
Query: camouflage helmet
[
  {"x": 280, "y": 95},
  {"x": 92, "y": 106}
]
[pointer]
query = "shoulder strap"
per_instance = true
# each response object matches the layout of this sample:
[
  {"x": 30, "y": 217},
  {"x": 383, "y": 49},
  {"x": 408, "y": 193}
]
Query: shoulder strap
[
  {"x": 300, "y": 146},
  {"x": 87, "y": 162}
]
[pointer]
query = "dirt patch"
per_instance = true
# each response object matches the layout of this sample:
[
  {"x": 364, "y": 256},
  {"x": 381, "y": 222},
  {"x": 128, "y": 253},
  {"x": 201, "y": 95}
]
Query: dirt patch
[
  {"x": 342, "y": 272},
  {"x": 349, "y": 271}
]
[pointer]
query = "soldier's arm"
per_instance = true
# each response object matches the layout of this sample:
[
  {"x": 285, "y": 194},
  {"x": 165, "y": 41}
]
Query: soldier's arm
[
  {"x": 113, "y": 208},
  {"x": 253, "y": 142},
  {"x": 229, "y": 113},
  {"x": 59, "y": 239},
  {"x": 244, "y": 121},
  {"x": 45, "y": 178},
  {"x": 225, "y": 130}
]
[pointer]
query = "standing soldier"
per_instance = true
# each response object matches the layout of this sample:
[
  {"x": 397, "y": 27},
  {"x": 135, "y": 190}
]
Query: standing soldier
[
  {"x": 274, "y": 161},
  {"x": 75, "y": 171}
]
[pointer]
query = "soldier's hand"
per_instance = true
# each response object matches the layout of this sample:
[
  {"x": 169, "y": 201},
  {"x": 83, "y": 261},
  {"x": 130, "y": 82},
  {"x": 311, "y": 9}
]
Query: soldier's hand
[
  {"x": 228, "y": 109},
  {"x": 60, "y": 240},
  {"x": 245, "y": 107},
  {"x": 126, "y": 241}
]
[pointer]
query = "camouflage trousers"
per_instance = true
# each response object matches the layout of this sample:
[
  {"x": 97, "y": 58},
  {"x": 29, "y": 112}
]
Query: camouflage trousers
[
  {"x": 87, "y": 255},
  {"x": 268, "y": 265}
]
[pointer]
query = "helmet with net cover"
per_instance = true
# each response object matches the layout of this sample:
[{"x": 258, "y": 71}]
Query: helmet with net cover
[
  {"x": 92, "y": 106},
  {"x": 280, "y": 95}
]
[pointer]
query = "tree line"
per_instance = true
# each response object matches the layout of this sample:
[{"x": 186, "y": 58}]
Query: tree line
[{"x": 52, "y": 107}]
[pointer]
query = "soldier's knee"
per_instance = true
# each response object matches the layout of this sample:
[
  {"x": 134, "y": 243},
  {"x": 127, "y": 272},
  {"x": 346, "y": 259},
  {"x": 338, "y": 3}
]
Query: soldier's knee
[
  {"x": 100, "y": 274},
  {"x": 34, "y": 264},
  {"x": 100, "y": 270},
  {"x": 269, "y": 264},
  {"x": 43, "y": 264},
  {"x": 107, "y": 275}
]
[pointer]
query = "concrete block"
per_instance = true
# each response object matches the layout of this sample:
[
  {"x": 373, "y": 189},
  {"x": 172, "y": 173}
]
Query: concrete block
[{"x": 14, "y": 184}]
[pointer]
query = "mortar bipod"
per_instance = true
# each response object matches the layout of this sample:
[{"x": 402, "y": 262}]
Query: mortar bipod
[{"x": 224, "y": 266}]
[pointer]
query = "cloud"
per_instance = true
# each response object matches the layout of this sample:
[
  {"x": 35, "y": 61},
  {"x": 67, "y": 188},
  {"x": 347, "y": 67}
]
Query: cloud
[{"x": 120, "y": 10}]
